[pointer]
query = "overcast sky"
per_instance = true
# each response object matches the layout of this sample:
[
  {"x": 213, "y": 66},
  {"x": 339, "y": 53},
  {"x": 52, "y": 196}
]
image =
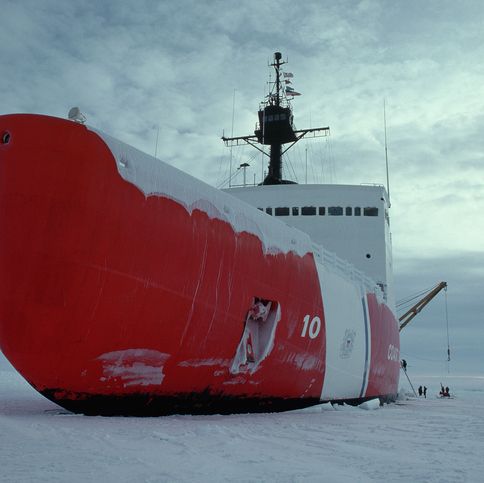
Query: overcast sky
[{"x": 176, "y": 69}]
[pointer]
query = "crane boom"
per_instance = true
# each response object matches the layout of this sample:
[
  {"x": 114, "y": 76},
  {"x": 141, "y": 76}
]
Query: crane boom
[{"x": 414, "y": 310}]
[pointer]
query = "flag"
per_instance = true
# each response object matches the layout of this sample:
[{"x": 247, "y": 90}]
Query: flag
[
  {"x": 291, "y": 92},
  {"x": 287, "y": 81},
  {"x": 288, "y": 74}
]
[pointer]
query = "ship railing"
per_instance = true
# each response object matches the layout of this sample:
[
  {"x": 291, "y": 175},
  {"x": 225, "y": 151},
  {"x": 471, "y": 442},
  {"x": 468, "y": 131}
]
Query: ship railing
[{"x": 333, "y": 262}]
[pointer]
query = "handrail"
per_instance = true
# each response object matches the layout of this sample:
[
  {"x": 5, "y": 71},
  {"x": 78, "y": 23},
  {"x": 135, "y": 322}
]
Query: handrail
[{"x": 330, "y": 260}]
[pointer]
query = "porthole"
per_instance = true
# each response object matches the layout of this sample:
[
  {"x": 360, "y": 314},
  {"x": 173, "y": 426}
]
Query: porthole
[
  {"x": 5, "y": 137},
  {"x": 368, "y": 255}
]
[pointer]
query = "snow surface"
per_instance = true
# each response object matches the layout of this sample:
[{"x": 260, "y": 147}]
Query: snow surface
[{"x": 414, "y": 440}]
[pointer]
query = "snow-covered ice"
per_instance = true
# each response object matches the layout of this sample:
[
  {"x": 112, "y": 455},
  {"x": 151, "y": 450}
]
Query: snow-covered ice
[{"x": 414, "y": 440}]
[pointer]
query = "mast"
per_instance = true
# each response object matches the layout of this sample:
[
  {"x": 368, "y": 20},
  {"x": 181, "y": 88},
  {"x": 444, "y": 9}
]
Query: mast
[
  {"x": 386, "y": 151},
  {"x": 277, "y": 63},
  {"x": 275, "y": 127}
]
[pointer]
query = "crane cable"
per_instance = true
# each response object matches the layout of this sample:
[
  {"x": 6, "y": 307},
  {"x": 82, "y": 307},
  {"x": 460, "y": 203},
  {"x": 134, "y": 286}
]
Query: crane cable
[
  {"x": 404, "y": 303},
  {"x": 448, "y": 338}
]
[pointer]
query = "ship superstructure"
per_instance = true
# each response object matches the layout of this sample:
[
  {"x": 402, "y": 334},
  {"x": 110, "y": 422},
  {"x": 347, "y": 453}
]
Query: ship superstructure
[
  {"x": 351, "y": 221},
  {"x": 275, "y": 126}
]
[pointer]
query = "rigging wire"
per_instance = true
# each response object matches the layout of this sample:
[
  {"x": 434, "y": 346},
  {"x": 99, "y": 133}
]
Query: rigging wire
[
  {"x": 321, "y": 157},
  {"x": 297, "y": 159},
  {"x": 308, "y": 163},
  {"x": 227, "y": 180},
  {"x": 313, "y": 174},
  {"x": 409, "y": 355},
  {"x": 448, "y": 337},
  {"x": 291, "y": 168},
  {"x": 414, "y": 296},
  {"x": 332, "y": 176},
  {"x": 406, "y": 301}
]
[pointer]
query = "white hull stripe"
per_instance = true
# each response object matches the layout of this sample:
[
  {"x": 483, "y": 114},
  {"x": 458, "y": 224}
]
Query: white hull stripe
[{"x": 364, "y": 384}]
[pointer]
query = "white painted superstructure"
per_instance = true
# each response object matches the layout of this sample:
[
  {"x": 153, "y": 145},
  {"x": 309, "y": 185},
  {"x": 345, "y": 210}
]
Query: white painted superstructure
[{"x": 349, "y": 220}]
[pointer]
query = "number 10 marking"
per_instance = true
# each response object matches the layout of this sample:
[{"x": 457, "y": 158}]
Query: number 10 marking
[{"x": 314, "y": 327}]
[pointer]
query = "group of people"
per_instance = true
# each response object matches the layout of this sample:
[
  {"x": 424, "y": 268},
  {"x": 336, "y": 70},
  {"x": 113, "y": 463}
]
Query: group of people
[
  {"x": 422, "y": 390},
  {"x": 444, "y": 391}
]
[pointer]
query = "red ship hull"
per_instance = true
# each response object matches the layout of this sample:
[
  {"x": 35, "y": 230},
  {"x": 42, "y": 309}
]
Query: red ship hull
[{"x": 114, "y": 302}]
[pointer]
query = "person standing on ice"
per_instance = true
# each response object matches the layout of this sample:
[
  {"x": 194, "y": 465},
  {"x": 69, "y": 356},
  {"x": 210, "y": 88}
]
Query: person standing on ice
[
  {"x": 404, "y": 365},
  {"x": 420, "y": 391},
  {"x": 425, "y": 392}
]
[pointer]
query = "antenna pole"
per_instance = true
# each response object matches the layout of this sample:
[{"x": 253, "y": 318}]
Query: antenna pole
[
  {"x": 231, "y": 147},
  {"x": 386, "y": 150},
  {"x": 277, "y": 64},
  {"x": 156, "y": 144},
  {"x": 306, "y": 165}
]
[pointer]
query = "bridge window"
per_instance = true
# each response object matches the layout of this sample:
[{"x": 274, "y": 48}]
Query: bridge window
[
  {"x": 370, "y": 211},
  {"x": 321, "y": 211},
  {"x": 281, "y": 211},
  {"x": 308, "y": 210},
  {"x": 335, "y": 211}
]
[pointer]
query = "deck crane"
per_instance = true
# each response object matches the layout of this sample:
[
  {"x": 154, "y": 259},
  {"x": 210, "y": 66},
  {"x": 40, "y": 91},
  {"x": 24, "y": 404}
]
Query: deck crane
[{"x": 415, "y": 309}]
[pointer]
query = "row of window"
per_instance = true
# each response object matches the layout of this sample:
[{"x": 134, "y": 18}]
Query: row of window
[
  {"x": 276, "y": 117},
  {"x": 322, "y": 211}
]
